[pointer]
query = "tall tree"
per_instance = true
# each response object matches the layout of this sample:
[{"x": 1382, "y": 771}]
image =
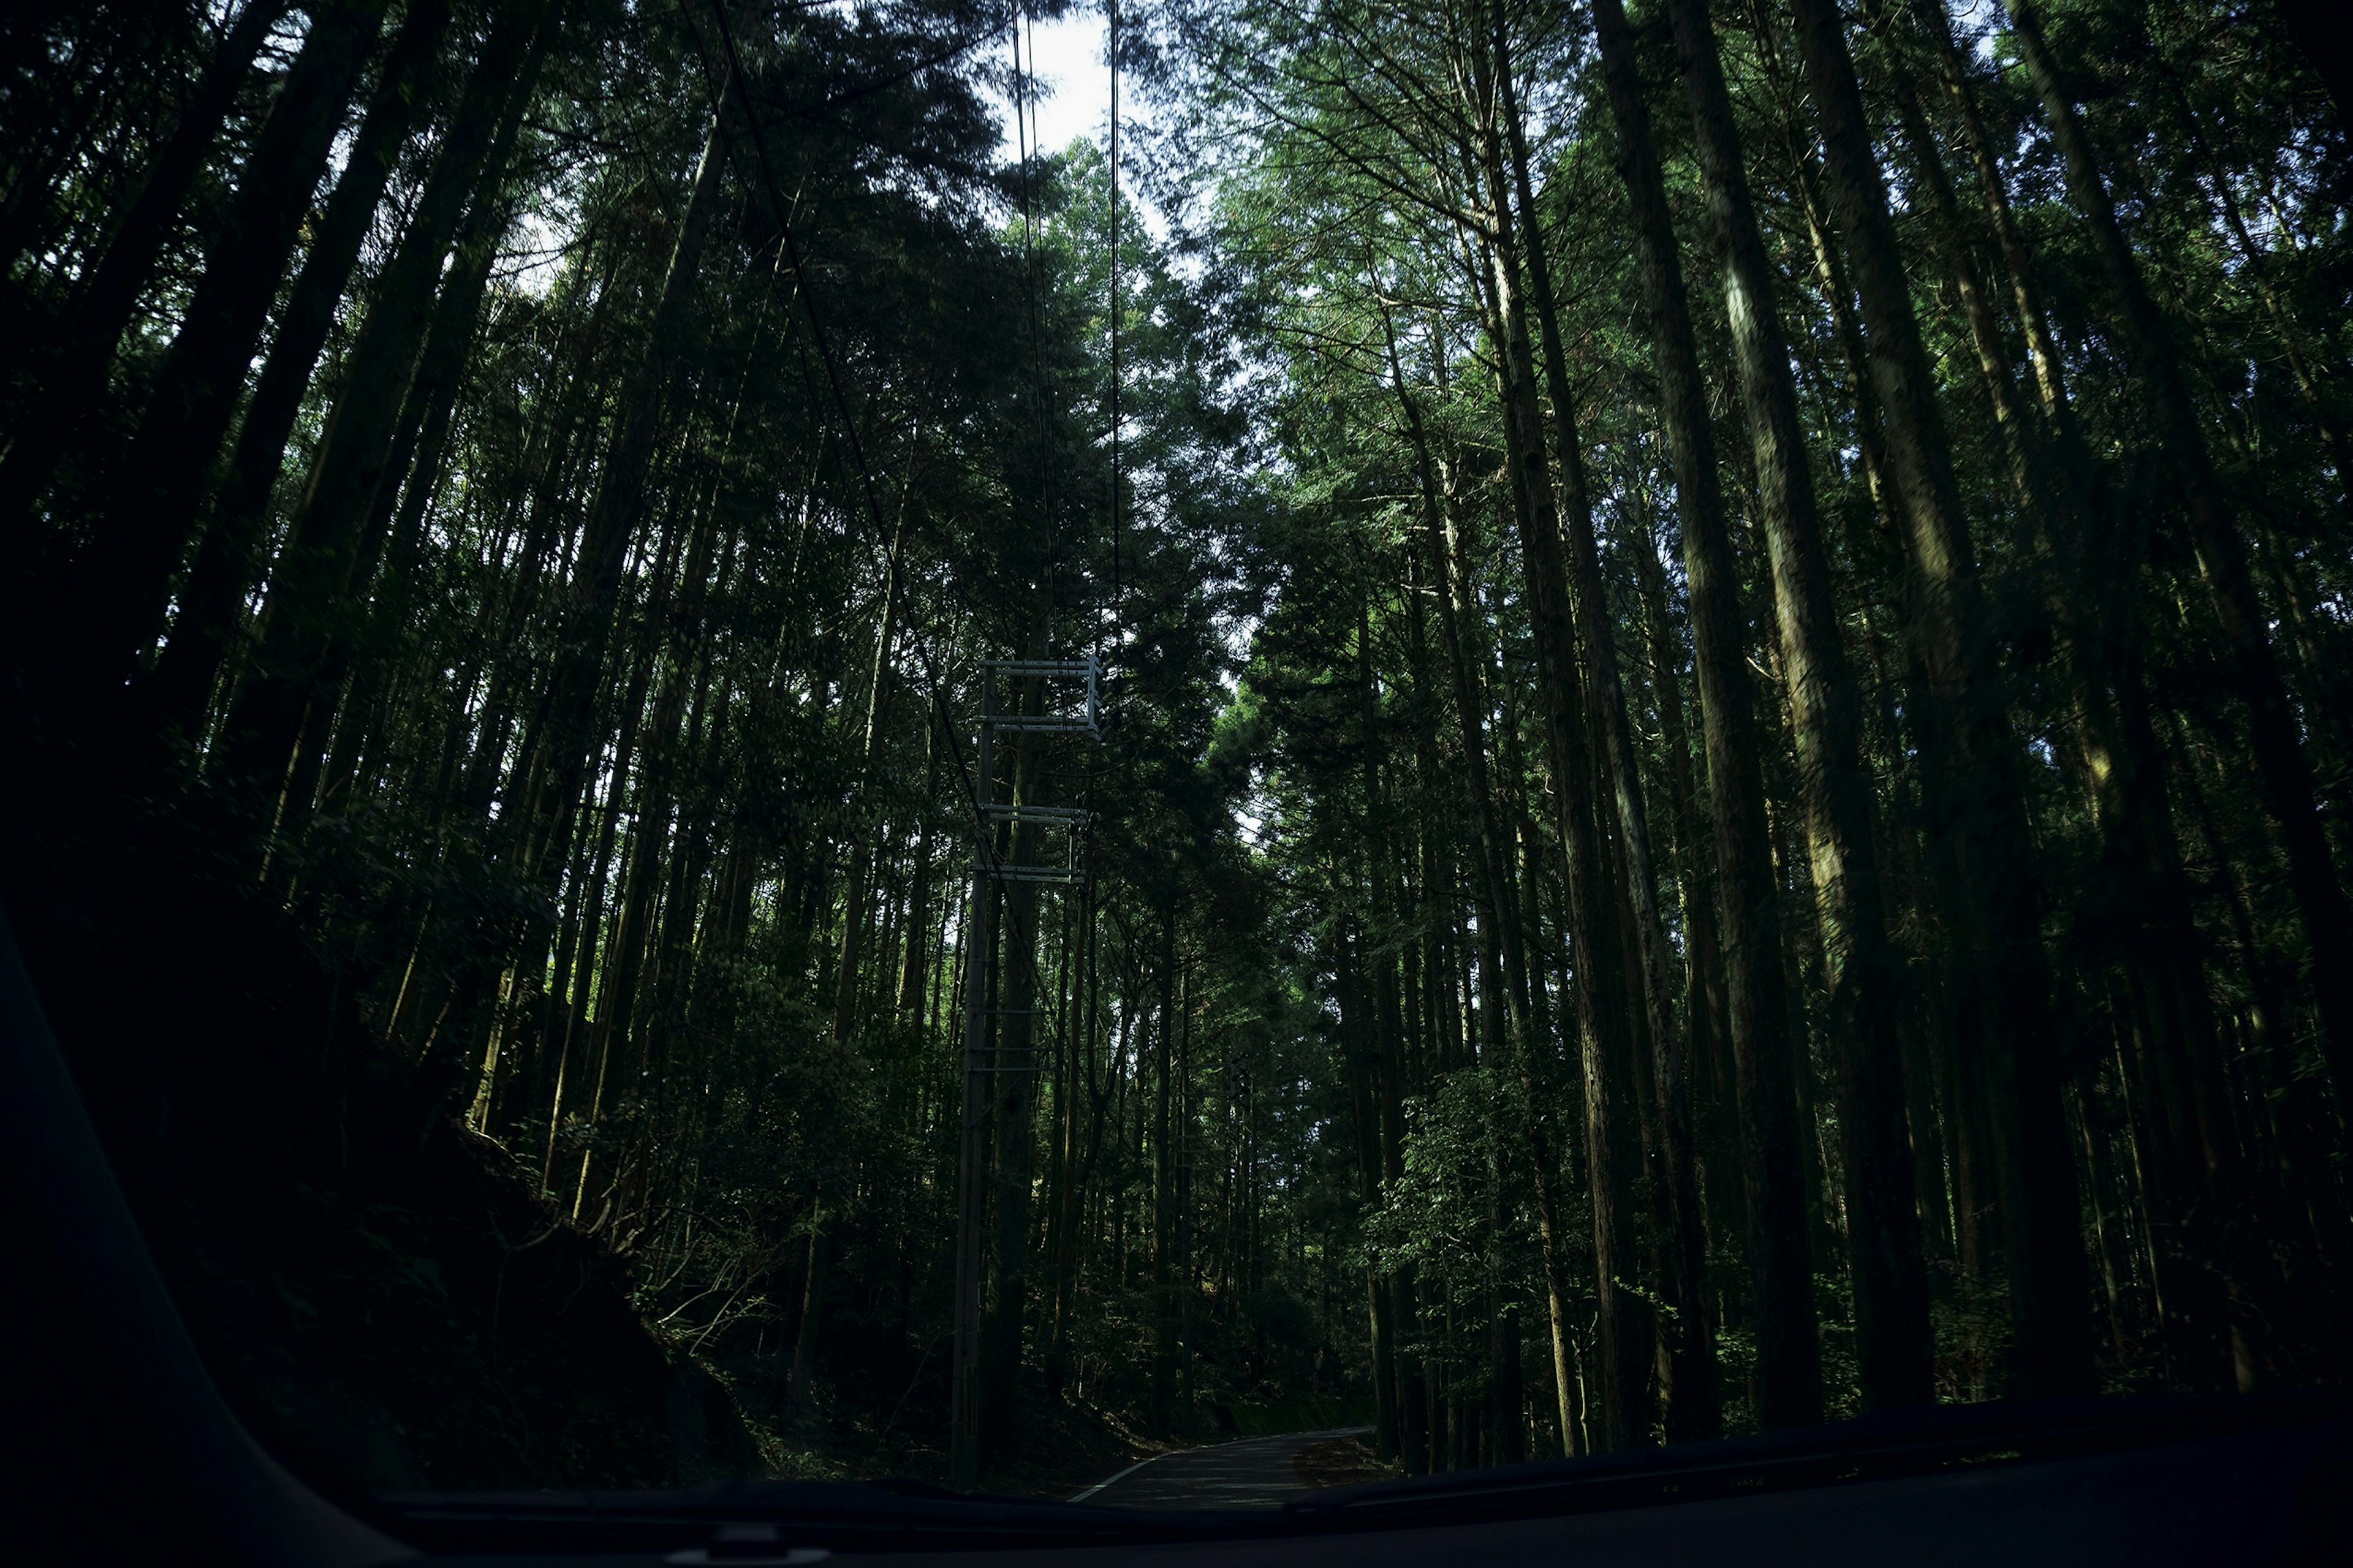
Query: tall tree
[
  {"x": 1975, "y": 807},
  {"x": 2281, "y": 768},
  {"x": 136, "y": 546},
  {"x": 1825, "y": 711}
]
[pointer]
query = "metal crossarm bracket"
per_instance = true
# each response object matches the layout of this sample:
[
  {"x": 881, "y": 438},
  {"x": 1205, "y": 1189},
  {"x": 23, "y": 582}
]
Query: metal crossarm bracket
[
  {"x": 1009, "y": 873},
  {"x": 1068, "y": 814},
  {"x": 1069, "y": 668},
  {"x": 1089, "y": 669},
  {"x": 1047, "y": 723}
]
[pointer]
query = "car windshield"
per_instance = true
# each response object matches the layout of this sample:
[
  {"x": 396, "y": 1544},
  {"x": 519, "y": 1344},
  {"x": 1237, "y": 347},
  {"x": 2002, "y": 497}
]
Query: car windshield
[{"x": 1180, "y": 754}]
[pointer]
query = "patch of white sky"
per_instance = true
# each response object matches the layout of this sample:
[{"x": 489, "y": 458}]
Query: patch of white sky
[
  {"x": 1070, "y": 84},
  {"x": 1980, "y": 21},
  {"x": 536, "y": 249},
  {"x": 1067, "y": 93}
]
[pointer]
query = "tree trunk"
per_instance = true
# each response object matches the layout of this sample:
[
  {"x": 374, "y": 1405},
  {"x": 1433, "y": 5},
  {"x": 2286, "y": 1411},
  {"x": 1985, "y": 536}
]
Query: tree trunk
[
  {"x": 405, "y": 491},
  {"x": 2281, "y": 769},
  {"x": 799, "y": 1408},
  {"x": 224, "y": 564},
  {"x": 1603, "y": 1023},
  {"x": 1495, "y": 865},
  {"x": 1896, "y": 1345},
  {"x": 566, "y": 738},
  {"x": 863, "y": 852},
  {"x": 1015, "y": 1101},
  {"x": 139, "y": 539},
  {"x": 72, "y": 374},
  {"x": 2034, "y": 317},
  {"x": 1788, "y": 1369},
  {"x": 1164, "y": 1183},
  {"x": 307, "y": 612},
  {"x": 1975, "y": 812}
]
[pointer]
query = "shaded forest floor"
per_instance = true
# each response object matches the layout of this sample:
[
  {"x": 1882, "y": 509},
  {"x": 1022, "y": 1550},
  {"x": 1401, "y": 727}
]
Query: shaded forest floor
[
  {"x": 874, "y": 1421},
  {"x": 381, "y": 1295},
  {"x": 385, "y": 1298}
]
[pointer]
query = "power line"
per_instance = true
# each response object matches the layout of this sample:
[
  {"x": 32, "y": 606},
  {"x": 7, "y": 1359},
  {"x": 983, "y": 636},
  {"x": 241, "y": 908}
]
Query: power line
[
  {"x": 1111, "y": 53},
  {"x": 982, "y": 827},
  {"x": 827, "y": 357}
]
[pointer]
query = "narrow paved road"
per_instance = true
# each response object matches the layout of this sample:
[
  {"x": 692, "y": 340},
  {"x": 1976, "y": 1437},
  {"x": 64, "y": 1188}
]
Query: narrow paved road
[{"x": 1257, "y": 1472}]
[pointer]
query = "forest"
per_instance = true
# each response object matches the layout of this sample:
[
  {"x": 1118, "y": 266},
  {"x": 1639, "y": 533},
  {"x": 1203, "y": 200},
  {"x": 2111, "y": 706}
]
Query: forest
[{"x": 1551, "y": 726}]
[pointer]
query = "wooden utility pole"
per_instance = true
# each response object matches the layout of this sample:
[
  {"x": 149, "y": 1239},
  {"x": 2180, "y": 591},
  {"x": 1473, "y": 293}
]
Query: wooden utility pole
[{"x": 980, "y": 1095}]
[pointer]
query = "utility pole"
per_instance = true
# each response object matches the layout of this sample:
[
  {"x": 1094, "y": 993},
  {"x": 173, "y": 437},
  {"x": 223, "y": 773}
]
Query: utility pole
[{"x": 980, "y": 1092}]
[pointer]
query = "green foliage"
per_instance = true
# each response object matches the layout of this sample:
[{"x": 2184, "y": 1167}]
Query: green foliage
[{"x": 628, "y": 799}]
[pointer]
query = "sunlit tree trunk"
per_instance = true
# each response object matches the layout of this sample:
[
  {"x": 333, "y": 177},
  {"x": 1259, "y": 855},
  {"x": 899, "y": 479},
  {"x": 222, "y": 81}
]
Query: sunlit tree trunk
[
  {"x": 1834, "y": 787},
  {"x": 1975, "y": 817},
  {"x": 73, "y": 370},
  {"x": 2281, "y": 768}
]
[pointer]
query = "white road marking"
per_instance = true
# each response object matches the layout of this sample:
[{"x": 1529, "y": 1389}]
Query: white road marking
[{"x": 1121, "y": 1476}]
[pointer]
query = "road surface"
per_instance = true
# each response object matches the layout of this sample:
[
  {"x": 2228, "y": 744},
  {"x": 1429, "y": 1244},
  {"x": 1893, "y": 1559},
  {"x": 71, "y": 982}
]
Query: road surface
[{"x": 1257, "y": 1472}]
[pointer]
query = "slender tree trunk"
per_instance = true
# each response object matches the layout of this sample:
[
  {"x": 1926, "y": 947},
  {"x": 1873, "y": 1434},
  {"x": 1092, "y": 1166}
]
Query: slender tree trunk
[
  {"x": 1690, "y": 1382},
  {"x": 1391, "y": 1437},
  {"x": 1604, "y": 1011},
  {"x": 1975, "y": 809},
  {"x": 307, "y": 613},
  {"x": 1377, "y": 970},
  {"x": 566, "y": 732},
  {"x": 1494, "y": 865},
  {"x": 140, "y": 536},
  {"x": 1788, "y": 1371},
  {"x": 862, "y": 852},
  {"x": 918, "y": 902},
  {"x": 799, "y": 1408},
  {"x": 1602, "y": 1016},
  {"x": 577, "y": 1017},
  {"x": 2026, "y": 291},
  {"x": 72, "y": 374},
  {"x": 1896, "y": 1345},
  {"x": 224, "y": 563},
  {"x": 405, "y": 491},
  {"x": 1164, "y": 1183},
  {"x": 1954, "y": 247},
  {"x": 1015, "y": 1100},
  {"x": 2281, "y": 770},
  {"x": 1076, "y": 1156}
]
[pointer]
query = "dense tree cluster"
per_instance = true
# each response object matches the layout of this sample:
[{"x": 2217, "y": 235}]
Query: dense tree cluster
[
  {"x": 1723, "y": 631},
  {"x": 1803, "y": 690},
  {"x": 532, "y": 485}
]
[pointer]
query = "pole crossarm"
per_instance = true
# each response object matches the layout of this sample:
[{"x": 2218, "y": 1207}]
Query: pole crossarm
[
  {"x": 1050, "y": 723},
  {"x": 1087, "y": 668},
  {"x": 1073, "y": 814}
]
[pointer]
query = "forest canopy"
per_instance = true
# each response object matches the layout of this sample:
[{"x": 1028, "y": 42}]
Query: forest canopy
[{"x": 1552, "y": 726}]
